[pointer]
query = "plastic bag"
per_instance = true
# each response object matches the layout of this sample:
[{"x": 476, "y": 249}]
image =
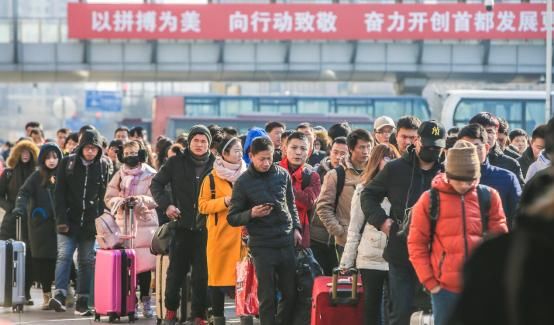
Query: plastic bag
[{"x": 246, "y": 290}]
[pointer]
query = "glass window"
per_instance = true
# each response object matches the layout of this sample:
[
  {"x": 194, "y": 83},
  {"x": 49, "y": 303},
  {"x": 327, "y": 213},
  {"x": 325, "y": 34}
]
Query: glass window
[
  {"x": 49, "y": 31},
  {"x": 534, "y": 114},
  {"x": 5, "y": 31},
  {"x": 352, "y": 106},
  {"x": 313, "y": 106},
  {"x": 233, "y": 107},
  {"x": 201, "y": 107},
  {"x": 421, "y": 109},
  {"x": 29, "y": 31},
  {"x": 393, "y": 108},
  {"x": 277, "y": 105},
  {"x": 511, "y": 110}
]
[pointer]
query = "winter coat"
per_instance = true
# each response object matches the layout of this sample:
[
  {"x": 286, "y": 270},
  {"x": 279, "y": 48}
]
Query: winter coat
[
  {"x": 525, "y": 161},
  {"x": 505, "y": 182},
  {"x": 316, "y": 157},
  {"x": 36, "y": 203},
  {"x": 541, "y": 163},
  {"x": 254, "y": 188},
  {"x": 304, "y": 198},
  {"x": 458, "y": 232},
  {"x": 365, "y": 248},
  {"x": 11, "y": 181},
  {"x": 337, "y": 218},
  {"x": 499, "y": 159},
  {"x": 180, "y": 172},
  {"x": 513, "y": 271},
  {"x": 80, "y": 189},
  {"x": 146, "y": 218},
  {"x": 224, "y": 241},
  {"x": 512, "y": 152},
  {"x": 318, "y": 232},
  {"x": 399, "y": 180}
]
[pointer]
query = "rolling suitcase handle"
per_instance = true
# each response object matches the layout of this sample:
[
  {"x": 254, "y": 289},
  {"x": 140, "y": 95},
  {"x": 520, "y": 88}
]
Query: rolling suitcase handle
[
  {"x": 344, "y": 296},
  {"x": 130, "y": 235}
]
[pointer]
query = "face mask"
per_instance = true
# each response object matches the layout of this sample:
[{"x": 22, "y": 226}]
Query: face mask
[
  {"x": 131, "y": 161},
  {"x": 429, "y": 155}
]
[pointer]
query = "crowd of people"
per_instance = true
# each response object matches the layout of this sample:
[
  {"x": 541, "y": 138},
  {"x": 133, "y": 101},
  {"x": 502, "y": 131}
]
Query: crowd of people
[{"x": 408, "y": 204}]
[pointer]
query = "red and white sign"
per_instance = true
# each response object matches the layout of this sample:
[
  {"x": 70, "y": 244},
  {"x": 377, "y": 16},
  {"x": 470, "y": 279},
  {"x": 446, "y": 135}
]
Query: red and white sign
[{"x": 306, "y": 22}]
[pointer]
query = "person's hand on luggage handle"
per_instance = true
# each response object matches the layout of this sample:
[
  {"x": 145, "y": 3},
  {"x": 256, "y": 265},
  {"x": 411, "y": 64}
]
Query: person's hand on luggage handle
[
  {"x": 260, "y": 211},
  {"x": 172, "y": 212},
  {"x": 385, "y": 227},
  {"x": 297, "y": 237},
  {"x": 63, "y": 229},
  {"x": 435, "y": 290}
]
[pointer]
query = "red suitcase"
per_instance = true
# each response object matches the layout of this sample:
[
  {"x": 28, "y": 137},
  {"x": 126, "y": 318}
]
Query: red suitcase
[{"x": 337, "y": 299}]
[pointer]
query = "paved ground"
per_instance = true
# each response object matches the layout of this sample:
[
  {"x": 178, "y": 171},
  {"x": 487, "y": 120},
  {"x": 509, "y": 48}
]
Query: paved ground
[{"x": 33, "y": 315}]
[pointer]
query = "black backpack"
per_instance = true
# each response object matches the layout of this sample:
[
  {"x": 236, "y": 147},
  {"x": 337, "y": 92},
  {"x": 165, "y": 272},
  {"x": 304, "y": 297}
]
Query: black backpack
[{"x": 484, "y": 197}]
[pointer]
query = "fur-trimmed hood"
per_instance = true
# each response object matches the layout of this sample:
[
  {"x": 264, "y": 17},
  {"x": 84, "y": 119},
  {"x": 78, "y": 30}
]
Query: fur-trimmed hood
[{"x": 15, "y": 153}]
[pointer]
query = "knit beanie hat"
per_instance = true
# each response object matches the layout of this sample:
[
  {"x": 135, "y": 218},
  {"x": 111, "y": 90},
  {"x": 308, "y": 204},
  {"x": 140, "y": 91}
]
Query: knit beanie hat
[
  {"x": 199, "y": 129},
  {"x": 462, "y": 162}
]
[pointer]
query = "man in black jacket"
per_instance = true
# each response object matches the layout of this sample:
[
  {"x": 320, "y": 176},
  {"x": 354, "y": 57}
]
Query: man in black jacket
[
  {"x": 496, "y": 155},
  {"x": 532, "y": 152},
  {"x": 263, "y": 201},
  {"x": 80, "y": 188},
  {"x": 185, "y": 174},
  {"x": 403, "y": 181}
]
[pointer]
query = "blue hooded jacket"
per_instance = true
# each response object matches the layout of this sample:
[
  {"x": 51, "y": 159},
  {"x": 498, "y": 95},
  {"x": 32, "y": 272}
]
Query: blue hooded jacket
[
  {"x": 252, "y": 134},
  {"x": 507, "y": 185}
]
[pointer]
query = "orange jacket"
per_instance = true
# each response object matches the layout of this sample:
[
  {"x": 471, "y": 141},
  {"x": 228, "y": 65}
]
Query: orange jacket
[{"x": 442, "y": 264}]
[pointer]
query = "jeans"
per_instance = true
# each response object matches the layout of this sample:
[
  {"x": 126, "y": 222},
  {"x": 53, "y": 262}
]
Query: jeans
[
  {"x": 188, "y": 248},
  {"x": 373, "y": 282},
  {"x": 85, "y": 259},
  {"x": 144, "y": 279},
  {"x": 444, "y": 302},
  {"x": 217, "y": 297},
  {"x": 271, "y": 263},
  {"x": 402, "y": 282}
]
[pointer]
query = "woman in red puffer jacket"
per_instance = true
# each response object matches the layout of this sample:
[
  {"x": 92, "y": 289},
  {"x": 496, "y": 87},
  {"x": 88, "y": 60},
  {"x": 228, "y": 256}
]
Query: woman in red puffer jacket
[{"x": 458, "y": 228}]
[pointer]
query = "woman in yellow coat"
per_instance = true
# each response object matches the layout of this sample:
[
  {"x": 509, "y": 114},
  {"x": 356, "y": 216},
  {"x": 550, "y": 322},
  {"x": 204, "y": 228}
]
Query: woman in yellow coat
[{"x": 224, "y": 242}]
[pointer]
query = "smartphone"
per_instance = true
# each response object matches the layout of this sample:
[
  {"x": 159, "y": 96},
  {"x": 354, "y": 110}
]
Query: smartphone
[{"x": 269, "y": 204}]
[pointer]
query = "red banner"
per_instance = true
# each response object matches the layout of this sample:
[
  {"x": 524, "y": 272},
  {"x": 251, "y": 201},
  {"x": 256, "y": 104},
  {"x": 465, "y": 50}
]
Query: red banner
[{"x": 306, "y": 22}]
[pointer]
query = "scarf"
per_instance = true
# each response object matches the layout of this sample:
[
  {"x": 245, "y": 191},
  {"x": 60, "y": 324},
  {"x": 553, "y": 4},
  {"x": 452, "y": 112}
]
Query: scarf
[
  {"x": 228, "y": 171},
  {"x": 130, "y": 178},
  {"x": 200, "y": 163}
]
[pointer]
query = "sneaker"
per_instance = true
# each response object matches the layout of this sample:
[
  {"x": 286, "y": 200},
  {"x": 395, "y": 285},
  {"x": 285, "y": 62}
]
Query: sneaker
[
  {"x": 57, "y": 303},
  {"x": 81, "y": 308},
  {"x": 46, "y": 301},
  {"x": 199, "y": 321},
  {"x": 147, "y": 311}
]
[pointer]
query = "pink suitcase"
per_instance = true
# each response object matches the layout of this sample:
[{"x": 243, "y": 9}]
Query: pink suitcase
[{"x": 115, "y": 282}]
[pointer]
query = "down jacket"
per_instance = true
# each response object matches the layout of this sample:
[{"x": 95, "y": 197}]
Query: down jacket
[
  {"x": 458, "y": 232},
  {"x": 337, "y": 218},
  {"x": 366, "y": 248},
  {"x": 135, "y": 182}
]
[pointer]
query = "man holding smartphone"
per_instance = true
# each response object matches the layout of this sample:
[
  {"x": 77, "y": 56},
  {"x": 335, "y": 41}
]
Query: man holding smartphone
[{"x": 263, "y": 201}]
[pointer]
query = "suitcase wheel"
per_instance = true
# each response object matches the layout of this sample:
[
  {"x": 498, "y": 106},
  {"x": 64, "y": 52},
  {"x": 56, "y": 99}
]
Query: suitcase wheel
[
  {"x": 158, "y": 321},
  {"x": 112, "y": 318},
  {"x": 17, "y": 308},
  {"x": 132, "y": 318},
  {"x": 96, "y": 317}
]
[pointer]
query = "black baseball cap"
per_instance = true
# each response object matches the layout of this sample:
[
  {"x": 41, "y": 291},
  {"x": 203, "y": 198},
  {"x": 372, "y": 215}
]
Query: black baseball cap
[{"x": 432, "y": 134}]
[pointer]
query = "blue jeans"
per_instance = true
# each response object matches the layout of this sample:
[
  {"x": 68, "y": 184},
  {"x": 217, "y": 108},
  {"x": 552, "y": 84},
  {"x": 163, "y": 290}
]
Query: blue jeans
[
  {"x": 443, "y": 303},
  {"x": 402, "y": 283},
  {"x": 85, "y": 261}
]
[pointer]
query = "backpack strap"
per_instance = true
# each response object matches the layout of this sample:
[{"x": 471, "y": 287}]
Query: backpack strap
[
  {"x": 212, "y": 191},
  {"x": 341, "y": 179},
  {"x": 433, "y": 211},
  {"x": 484, "y": 196}
]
